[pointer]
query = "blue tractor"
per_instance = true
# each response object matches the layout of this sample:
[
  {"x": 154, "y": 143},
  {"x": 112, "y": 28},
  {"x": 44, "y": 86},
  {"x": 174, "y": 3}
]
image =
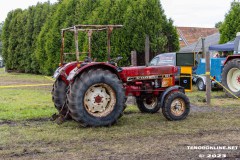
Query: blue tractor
[
  {"x": 225, "y": 70},
  {"x": 216, "y": 66}
]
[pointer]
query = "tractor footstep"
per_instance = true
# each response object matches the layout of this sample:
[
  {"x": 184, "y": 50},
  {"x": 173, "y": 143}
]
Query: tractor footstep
[
  {"x": 54, "y": 117},
  {"x": 58, "y": 118}
]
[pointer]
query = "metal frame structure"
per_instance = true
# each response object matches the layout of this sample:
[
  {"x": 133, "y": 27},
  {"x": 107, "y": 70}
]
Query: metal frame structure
[{"x": 89, "y": 29}]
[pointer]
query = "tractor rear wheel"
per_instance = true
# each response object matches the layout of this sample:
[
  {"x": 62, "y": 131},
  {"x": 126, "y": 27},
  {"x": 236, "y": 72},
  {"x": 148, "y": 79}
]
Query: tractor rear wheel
[
  {"x": 231, "y": 77},
  {"x": 148, "y": 104},
  {"x": 59, "y": 92},
  {"x": 176, "y": 107},
  {"x": 97, "y": 98}
]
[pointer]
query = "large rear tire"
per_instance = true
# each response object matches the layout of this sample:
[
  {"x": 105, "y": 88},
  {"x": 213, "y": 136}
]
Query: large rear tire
[
  {"x": 231, "y": 77},
  {"x": 176, "y": 107},
  {"x": 97, "y": 98},
  {"x": 148, "y": 104},
  {"x": 59, "y": 92}
]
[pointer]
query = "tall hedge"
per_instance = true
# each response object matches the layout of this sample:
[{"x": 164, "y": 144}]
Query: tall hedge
[
  {"x": 231, "y": 24},
  {"x": 31, "y": 37},
  {"x": 1, "y": 25},
  {"x": 19, "y": 37}
]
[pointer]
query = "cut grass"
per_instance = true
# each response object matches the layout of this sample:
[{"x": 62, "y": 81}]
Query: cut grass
[
  {"x": 27, "y": 133},
  {"x": 218, "y": 98},
  {"x": 20, "y": 78},
  {"x": 24, "y": 104},
  {"x": 2, "y": 70}
]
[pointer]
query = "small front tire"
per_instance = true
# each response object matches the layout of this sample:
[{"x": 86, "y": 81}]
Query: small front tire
[
  {"x": 148, "y": 104},
  {"x": 176, "y": 107}
]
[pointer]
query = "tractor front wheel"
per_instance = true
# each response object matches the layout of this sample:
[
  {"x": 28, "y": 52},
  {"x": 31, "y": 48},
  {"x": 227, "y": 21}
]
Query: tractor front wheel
[
  {"x": 97, "y": 98},
  {"x": 176, "y": 107},
  {"x": 231, "y": 78},
  {"x": 148, "y": 104}
]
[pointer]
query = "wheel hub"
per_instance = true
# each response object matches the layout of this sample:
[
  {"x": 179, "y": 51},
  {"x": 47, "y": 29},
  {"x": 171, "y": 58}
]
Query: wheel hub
[
  {"x": 233, "y": 79},
  {"x": 238, "y": 79},
  {"x": 150, "y": 102},
  {"x": 178, "y": 107},
  {"x": 99, "y": 100}
]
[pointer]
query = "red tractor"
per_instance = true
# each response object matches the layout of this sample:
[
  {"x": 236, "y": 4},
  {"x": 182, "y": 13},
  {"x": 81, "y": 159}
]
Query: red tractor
[
  {"x": 94, "y": 93},
  {"x": 231, "y": 71}
]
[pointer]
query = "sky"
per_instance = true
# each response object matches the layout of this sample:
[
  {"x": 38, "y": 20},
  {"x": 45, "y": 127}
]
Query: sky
[
  {"x": 9, "y": 5},
  {"x": 187, "y": 13},
  {"x": 196, "y": 13}
]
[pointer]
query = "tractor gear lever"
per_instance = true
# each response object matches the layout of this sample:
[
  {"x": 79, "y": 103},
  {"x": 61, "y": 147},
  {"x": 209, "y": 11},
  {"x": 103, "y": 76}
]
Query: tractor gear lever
[
  {"x": 114, "y": 61},
  {"x": 88, "y": 59}
]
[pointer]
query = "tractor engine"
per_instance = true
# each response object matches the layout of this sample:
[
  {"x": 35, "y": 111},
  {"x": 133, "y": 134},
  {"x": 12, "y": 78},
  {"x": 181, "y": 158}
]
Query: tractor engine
[{"x": 147, "y": 80}]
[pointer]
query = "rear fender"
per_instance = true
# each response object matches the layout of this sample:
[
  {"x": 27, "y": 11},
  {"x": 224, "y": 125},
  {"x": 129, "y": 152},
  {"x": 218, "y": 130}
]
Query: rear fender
[
  {"x": 231, "y": 57},
  {"x": 77, "y": 71},
  {"x": 169, "y": 90},
  {"x": 64, "y": 71}
]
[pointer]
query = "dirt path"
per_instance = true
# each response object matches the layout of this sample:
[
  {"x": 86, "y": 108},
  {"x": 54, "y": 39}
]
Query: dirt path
[
  {"x": 135, "y": 136},
  {"x": 163, "y": 146}
]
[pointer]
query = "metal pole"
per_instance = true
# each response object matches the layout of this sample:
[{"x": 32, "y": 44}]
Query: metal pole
[
  {"x": 76, "y": 42},
  {"x": 208, "y": 81},
  {"x": 147, "y": 50},
  {"x": 109, "y": 31},
  {"x": 62, "y": 49},
  {"x": 134, "y": 58},
  {"x": 89, "y": 43}
]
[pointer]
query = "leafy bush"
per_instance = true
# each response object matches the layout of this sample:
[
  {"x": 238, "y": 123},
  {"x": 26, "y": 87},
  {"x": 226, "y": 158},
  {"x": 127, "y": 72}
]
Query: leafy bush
[
  {"x": 231, "y": 24},
  {"x": 31, "y": 37}
]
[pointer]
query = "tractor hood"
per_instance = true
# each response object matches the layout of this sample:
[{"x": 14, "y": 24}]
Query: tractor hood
[{"x": 143, "y": 72}]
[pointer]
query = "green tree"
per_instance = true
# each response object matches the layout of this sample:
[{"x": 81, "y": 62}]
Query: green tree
[
  {"x": 11, "y": 54},
  {"x": 231, "y": 23},
  {"x": 140, "y": 18},
  {"x": 19, "y": 37},
  {"x": 37, "y": 16},
  {"x": 1, "y": 26},
  {"x": 172, "y": 36},
  {"x": 218, "y": 24},
  {"x": 48, "y": 47},
  {"x": 5, "y": 37},
  {"x": 31, "y": 37},
  {"x": 67, "y": 13}
]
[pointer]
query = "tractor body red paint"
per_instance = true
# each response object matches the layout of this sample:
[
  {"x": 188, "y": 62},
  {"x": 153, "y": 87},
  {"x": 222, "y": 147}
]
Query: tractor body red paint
[{"x": 136, "y": 80}]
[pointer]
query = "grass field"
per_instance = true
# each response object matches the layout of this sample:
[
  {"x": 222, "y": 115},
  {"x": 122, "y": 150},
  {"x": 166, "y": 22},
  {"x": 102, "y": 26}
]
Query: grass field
[{"x": 26, "y": 131}]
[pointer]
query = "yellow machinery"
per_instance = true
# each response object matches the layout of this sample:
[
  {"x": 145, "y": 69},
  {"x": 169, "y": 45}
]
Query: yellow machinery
[{"x": 186, "y": 61}]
